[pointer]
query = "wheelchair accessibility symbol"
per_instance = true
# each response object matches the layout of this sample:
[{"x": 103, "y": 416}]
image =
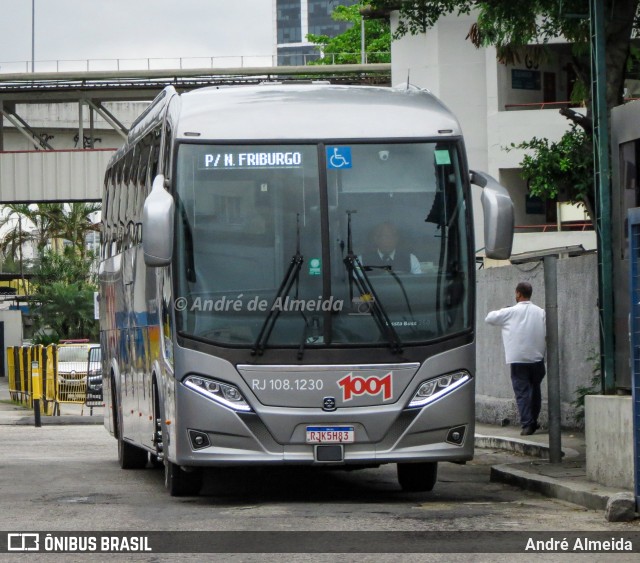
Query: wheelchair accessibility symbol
[{"x": 338, "y": 157}]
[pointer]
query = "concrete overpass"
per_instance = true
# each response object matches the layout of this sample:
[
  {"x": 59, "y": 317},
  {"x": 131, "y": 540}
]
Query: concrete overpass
[{"x": 46, "y": 167}]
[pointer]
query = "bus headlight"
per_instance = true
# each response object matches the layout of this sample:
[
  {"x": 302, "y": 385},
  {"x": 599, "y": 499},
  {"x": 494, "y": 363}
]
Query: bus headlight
[
  {"x": 223, "y": 393},
  {"x": 433, "y": 389}
]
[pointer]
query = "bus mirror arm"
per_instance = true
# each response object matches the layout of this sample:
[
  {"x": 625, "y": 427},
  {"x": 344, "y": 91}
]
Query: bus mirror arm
[
  {"x": 498, "y": 216},
  {"x": 157, "y": 225}
]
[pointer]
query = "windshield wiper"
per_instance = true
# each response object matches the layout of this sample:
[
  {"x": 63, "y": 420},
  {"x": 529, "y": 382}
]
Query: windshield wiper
[
  {"x": 357, "y": 275},
  {"x": 395, "y": 276},
  {"x": 291, "y": 276},
  {"x": 310, "y": 333}
]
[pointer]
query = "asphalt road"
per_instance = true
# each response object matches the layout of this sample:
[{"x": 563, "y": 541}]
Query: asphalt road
[{"x": 67, "y": 478}]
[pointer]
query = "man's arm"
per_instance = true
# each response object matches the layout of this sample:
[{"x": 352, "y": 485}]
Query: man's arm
[{"x": 499, "y": 317}]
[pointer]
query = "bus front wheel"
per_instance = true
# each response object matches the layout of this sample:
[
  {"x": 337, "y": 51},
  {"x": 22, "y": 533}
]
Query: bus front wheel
[
  {"x": 418, "y": 477},
  {"x": 180, "y": 482}
]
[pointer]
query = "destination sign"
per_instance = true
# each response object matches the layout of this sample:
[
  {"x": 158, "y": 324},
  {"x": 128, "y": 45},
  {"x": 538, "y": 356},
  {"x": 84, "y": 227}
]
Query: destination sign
[{"x": 261, "y": 159}]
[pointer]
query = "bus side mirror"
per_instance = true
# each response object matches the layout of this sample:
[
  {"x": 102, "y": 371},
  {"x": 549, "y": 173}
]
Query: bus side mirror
[
  {"x": 157, "y": 225},
  {"x": 498, "y": 216}
]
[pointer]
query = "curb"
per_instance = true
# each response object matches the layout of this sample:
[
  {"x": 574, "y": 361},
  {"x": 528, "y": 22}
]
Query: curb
[
  {"x": 66, "y": 420},
  {"x": 525, "y": 447},
  {"x": 617, "y": 505},
  {"x": 589, "y": 495}
]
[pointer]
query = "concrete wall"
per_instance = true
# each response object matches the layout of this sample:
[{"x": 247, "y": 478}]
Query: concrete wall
[
  {"x": 578, "y": 334},
  {"x": 454, "y": 70},
  {"x": 609, "y": 446}
]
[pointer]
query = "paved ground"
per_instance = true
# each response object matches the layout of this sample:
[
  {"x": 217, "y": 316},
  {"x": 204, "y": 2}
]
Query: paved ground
[
  {"x": 65, "y": 476},
  {"x": 529, "y": 469}
]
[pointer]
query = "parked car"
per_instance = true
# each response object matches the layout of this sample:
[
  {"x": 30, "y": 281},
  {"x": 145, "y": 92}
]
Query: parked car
[
  {"x": 94, "y": 377},
  {"x": 73, "y": 365}
]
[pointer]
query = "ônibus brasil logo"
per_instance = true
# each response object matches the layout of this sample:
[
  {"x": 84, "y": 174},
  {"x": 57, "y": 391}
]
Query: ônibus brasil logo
[{"x": 373, "y": 385}]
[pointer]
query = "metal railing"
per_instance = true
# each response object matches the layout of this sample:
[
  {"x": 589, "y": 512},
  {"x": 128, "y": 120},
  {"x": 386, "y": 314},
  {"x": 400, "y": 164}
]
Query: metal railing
[
  {"x": 552, "y": 105},
  {"x": 555, "y": 227},
  {"x": 186, "y": 63},
  {"x": 541, "y": 105}
]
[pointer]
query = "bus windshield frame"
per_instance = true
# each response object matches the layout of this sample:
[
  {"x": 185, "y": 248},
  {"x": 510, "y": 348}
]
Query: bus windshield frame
[{"x": 320, "y": 245}]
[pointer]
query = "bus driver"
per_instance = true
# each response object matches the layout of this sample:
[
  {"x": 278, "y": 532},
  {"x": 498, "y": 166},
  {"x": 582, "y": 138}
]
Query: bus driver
[{"x": 389, "y": 253}]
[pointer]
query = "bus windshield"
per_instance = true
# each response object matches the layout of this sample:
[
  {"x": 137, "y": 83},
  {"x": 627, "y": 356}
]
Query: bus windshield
[{"x": 321, "y": 245}]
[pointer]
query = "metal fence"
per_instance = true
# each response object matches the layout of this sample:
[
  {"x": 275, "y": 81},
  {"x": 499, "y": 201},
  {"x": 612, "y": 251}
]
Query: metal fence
[{"x": 64, "y": 370}]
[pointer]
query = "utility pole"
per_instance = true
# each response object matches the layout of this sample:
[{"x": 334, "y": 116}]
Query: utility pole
[
  {"x": 553, "y": 363},
  {"x": 602, "y": 181},
  {"x": 33, "y": 35},
  {"x": 363, "y": 56}
]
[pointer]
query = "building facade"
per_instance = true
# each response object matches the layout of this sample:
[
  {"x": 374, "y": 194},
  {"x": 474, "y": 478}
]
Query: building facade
[
  {"x": 499, "y": 104},
  {"x": 294, "y": 19}
]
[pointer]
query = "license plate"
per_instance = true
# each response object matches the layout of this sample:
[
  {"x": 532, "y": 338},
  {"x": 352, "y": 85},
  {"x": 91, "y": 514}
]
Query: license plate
[{"x": 330, "y": 434}]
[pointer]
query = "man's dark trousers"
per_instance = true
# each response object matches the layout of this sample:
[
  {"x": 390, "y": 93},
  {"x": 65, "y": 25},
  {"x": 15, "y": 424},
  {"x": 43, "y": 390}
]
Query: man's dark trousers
[{"x": 526, "y": 380}]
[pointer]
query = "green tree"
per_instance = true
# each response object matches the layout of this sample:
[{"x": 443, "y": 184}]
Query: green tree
[
  {"x": 346, "y": 48},
  {"x": 32, "y": 224},
  {"x": 62, "y": 305},
  {"x": 519, "y": 27},
  {"x": 514, "y": 26},
  {"x": 76, "y": 223},
  {"x": 63, "y": 298},
  {"x": 38, "y": 224},
  {"x": 562, "y": 170}
]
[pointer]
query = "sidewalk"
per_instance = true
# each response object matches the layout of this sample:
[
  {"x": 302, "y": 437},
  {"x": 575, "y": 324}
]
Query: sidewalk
[
  {"x": 70, "y": 413},
  {"x": 565, "y": 481}
]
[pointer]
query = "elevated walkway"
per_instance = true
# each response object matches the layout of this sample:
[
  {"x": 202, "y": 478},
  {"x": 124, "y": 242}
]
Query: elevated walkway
[
  {"x": 46, "y": 174},
  {"x": 66, "y": 175}
]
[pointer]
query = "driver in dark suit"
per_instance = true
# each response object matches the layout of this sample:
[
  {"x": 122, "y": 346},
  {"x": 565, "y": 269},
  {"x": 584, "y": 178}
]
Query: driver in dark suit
[{"x": 388, "y": 253}]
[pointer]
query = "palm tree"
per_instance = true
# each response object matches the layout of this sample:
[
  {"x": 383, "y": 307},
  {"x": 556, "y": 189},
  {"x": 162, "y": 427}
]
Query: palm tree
[
  {"x": 76, "y": 222},
  {"x": 37, "y": 224},
  {"x": 40, "y": 223}
]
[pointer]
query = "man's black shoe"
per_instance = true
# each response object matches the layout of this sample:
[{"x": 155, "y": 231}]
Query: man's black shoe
[{"x": 528, "y": 430}]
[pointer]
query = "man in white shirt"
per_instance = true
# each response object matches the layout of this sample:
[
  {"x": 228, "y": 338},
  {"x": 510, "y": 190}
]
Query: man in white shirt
[{"x": 524, "y": 338}]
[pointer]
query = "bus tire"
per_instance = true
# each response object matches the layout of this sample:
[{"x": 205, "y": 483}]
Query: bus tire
[
  {"x": 181, "y": 483},
  {"x": 130, "y": 456},
  {"x": 418, "y": 477}
]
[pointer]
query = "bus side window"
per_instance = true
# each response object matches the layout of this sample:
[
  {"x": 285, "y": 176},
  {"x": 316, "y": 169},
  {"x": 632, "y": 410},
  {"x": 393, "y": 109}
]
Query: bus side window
[
  {"x": 104, "y": 228},
  {"x": 166, "y": 157},
  {"x": 132, "y": 210},
  {"x": 142, "y": 188},
  {"x": 115, "y": 207},
  {"x": 155, "y": 154},
  {"x": 124, "y": 201}
]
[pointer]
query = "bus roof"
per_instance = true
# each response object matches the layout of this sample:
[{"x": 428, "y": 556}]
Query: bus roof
[{"x": 313, "y": 111}]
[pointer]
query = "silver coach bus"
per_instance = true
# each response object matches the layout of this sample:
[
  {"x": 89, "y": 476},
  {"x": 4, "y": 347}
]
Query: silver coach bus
[{"x": 287, "y": 277}]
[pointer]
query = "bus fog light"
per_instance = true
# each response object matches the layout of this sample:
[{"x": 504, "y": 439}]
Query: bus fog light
[
  {"x": 432, "y": 389},
  {"x": 199, "y": 440},
  {"x": 223, "y": 393},
  {"x": 456, "y": 435}
]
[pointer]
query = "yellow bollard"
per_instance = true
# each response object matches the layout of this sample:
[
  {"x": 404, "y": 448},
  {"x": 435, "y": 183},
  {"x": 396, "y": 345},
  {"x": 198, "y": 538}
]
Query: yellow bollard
[{"x": 36, "y": 391}]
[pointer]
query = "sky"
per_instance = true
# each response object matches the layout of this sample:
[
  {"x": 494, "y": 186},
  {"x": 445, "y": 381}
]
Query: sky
[{"x": 130, "y": 29}]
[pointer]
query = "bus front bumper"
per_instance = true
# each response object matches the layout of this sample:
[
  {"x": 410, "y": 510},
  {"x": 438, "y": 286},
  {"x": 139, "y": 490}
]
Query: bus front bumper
[{"x": 219, "y": 436}]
